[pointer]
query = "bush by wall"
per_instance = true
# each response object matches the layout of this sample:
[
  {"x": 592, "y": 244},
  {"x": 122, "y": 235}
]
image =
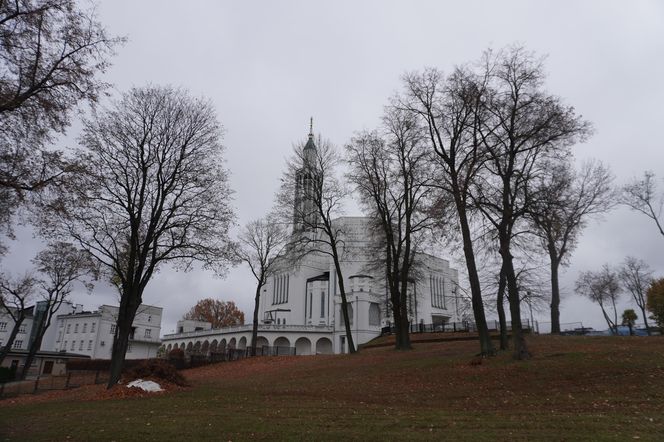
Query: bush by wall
[
  {"x": 155, "y": 368},
  {"x": 7, "y": 374}
]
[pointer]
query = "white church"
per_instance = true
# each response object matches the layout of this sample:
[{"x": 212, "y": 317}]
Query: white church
[{"x": 300, "y": 306}]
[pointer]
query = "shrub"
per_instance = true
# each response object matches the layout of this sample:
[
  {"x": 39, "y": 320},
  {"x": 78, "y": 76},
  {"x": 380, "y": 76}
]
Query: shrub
[
  {"x": 655, "y": 301},
  {"x": 176, "y": 358},
  {"x": 176, "y": 353},
  {"x": 155, "y": 368},
  {"x": 7, "y": 374},
  {"x": 88, "y": 364}
]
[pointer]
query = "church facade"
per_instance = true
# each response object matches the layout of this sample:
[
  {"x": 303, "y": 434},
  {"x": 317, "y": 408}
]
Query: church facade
[{"x": 300, "y": 306}]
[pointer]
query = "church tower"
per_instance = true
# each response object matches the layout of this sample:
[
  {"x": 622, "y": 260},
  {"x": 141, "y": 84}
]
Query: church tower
[{"x": 305, "y": 214}]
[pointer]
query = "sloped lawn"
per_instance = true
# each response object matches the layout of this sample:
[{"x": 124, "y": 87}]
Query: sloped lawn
[{"x": 575, "y": 388}]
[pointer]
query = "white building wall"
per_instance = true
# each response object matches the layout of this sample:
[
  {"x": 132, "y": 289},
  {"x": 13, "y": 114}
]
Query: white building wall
[
  {"x": 92, "y": 333},
  {"x": 295, "y": 296},
  {"x": 22, "y": 337}
]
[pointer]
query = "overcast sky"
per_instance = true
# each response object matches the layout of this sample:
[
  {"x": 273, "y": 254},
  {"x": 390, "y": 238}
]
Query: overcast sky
[{"x": 268, "y": 66}]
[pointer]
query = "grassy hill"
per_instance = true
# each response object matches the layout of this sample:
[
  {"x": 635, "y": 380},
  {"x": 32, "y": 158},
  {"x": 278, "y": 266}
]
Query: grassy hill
[{"x": 575, "y": 388}]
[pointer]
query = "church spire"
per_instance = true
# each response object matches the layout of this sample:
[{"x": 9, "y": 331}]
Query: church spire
[{"x": 310, "y": 142}]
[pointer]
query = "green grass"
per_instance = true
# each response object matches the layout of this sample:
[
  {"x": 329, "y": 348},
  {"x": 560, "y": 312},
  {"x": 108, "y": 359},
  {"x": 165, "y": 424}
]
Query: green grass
[{"x": 575, "y": 388}]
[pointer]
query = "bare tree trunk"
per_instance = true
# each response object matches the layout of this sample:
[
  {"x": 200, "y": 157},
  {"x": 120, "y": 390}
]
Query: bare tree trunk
[
  {"x": 34, "y": 346},
  {"x": 615, "y": 315},
  {"x": 486, "y": 346},
  {"x": 254, "y": 328},
  {"x": 520, "y": 348},
  {"x": 400, "y": 313},
  {"x": 645, "y": 320},
  {"x": 344, "y": 312},
  {"x": 403, "y": 334},
  {"x": 500, "y": 304},
  {"x": 126, "y": 314},
  {"x": 555, "y": 292},
  {"x": 608, "y": 320},
  {"x": 344, "y": 300}
]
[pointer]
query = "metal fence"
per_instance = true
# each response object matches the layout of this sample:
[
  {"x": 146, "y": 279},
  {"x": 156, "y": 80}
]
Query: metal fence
[
  {"x": 72, "y": 379},
  {"x": 545, "y": 327},
  {"x": 234, "y": 354},
  {"x": 77, "y": 378},
  {"x": 454, "y": 327}
]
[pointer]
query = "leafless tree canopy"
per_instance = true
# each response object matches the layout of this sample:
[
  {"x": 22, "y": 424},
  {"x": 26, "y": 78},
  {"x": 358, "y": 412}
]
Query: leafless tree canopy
[
  {"x": 561, "y": 200},
  {"x": 392, "y": 174},
  {"x": 51, "y": 53},
  {"x": 636, "y": 277},
  {"x": 154, "y": 191},
  {"x": 60, "y": 265},
  {"x": 602, "y": 287},
  {"x": 448, "y": 109},
  {"x": 522, "y": 128},
  {"x": 259, "y": 245},
  {"x": 16, "y": 293},
  {"x": 642, "y": 196}
]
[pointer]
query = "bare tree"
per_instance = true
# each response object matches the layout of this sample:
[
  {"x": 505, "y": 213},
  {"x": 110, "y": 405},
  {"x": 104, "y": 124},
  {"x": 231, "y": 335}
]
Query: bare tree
[
  {"x": 51, "y": 55},
  {"x": 447, "y": 108},
  {"x": 522, "y": 129},
  {"x": 642, "y": 196},
  {"x": 259, "y": 245},
  {"x": 154, "y": 191},
  {"x": 561, "y": 202},
  {"x": 310, "y": 197},
  {"x": 61, "y": 265},
  {"x": 602, "y": 287},
  {"x": 392, "y": 174},
  {"x": 636, "y": 276},
  {"x": 15, "y": 295}
]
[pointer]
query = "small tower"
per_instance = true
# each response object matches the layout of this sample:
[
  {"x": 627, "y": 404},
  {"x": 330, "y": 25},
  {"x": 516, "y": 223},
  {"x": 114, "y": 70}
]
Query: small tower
[{"x": 305, "y": 213}]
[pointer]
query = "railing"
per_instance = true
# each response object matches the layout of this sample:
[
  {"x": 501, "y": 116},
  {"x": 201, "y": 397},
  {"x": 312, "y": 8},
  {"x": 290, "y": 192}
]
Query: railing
[
  {"x": 234, "y": 354},
  {"x": 72, "y": 379},
  {"x": 454, "y": 327},
  {"x": 249, "y": 327}
]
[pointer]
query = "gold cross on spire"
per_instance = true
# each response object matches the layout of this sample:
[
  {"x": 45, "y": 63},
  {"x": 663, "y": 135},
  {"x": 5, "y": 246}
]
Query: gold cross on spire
[{"x": 311, "y": 127}]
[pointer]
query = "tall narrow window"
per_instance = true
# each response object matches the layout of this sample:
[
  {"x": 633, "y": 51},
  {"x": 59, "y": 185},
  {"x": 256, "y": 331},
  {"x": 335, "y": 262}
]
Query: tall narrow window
[
  {"x": 287, "y": 287},
  {"x": 442, "y": 292},
  {"x": 322, "y": 304},
  {"x": 274, "y": 290},
  {"x": 311, "y": 300}
]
